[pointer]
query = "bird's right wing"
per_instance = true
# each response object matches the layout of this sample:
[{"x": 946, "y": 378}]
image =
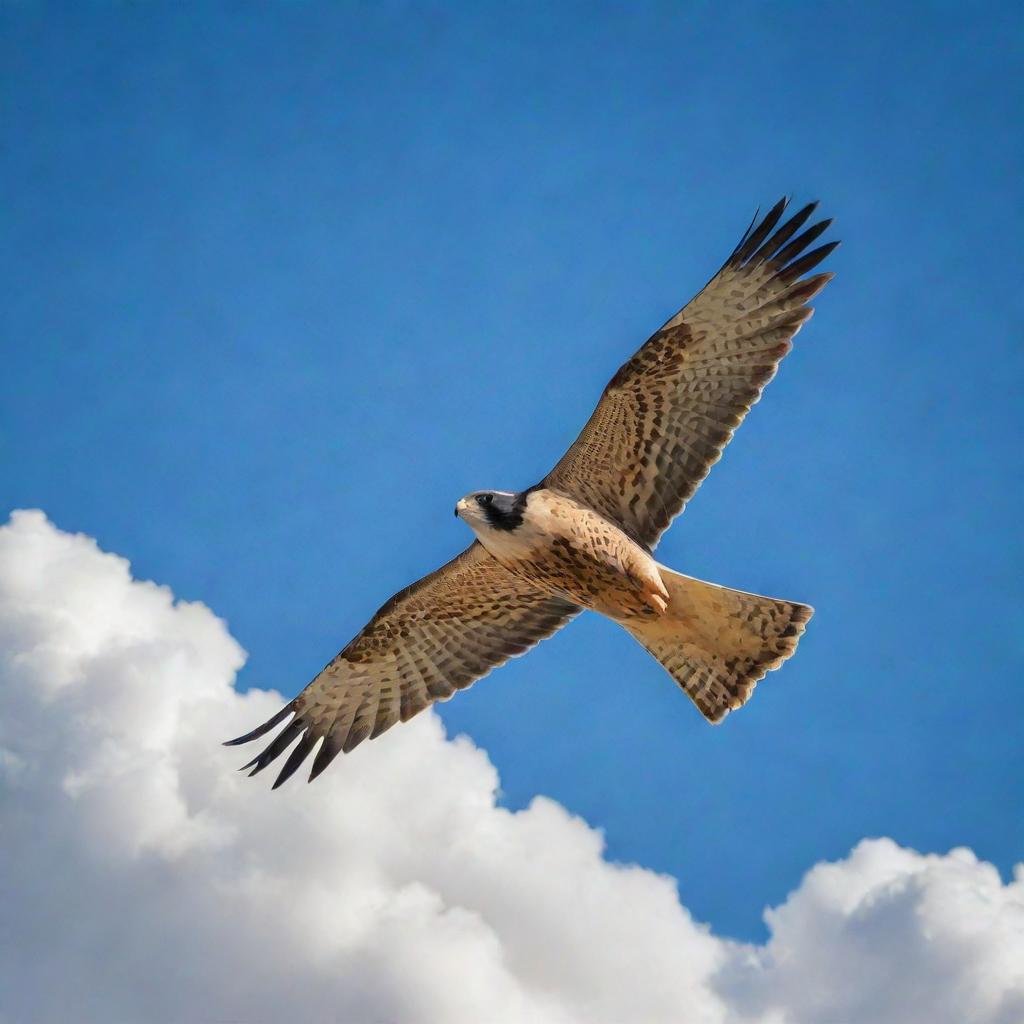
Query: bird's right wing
[{"x": 430, "y": 640}]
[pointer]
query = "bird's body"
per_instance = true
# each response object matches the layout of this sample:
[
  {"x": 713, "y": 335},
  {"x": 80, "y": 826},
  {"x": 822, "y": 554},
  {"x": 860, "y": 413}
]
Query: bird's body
[
  {"x": 583, "y": 538},
  {"x": 568, "y": 550}
]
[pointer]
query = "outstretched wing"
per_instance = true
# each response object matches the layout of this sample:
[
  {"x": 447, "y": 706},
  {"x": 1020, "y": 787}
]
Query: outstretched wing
[
  {"x": 665, "y": 417},
  {"x": 429, "y": 640}
]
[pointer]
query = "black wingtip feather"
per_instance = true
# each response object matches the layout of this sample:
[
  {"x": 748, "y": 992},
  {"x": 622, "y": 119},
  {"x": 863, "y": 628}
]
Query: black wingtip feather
[
  {"x": 784, "y": 233},
  {"x": 263, "y": 729},
  {"x": 747, "y": 248},
  {"x": 280, "y": 744},
  {"x": 745, "y": 235},
  {"x": 330, "y": 749},
  {"x": 801, "y": 242},
  {"x": 295, "y": 759},
  {"x": 768, "y": 242},
  {"x": 296, "y": 727},
  {"x": 806, "y": 262}
]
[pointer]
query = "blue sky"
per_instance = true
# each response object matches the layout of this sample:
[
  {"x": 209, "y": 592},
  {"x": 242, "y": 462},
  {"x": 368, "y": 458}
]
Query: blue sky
[{"x": 283, "y": 282}]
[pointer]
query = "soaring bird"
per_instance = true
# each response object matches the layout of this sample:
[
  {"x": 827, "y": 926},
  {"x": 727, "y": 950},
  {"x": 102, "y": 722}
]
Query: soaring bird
[{"x": 584, "y": 536}]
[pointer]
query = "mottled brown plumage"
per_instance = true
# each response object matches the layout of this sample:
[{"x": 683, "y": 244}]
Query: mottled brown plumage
[{"x": 583, "y": 537}]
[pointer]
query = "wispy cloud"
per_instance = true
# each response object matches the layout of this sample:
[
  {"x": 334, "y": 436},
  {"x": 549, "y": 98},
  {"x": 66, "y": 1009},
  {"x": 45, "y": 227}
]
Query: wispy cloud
[{"x": 145, "y": 879}]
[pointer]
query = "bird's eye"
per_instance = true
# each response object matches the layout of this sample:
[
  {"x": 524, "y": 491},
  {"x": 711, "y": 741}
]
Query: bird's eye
[{"x": 483, "y": 499}]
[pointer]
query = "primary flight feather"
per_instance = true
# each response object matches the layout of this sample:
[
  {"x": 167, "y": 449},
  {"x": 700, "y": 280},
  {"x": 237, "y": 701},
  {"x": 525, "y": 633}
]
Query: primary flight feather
[{"x": 584, "y": 536}]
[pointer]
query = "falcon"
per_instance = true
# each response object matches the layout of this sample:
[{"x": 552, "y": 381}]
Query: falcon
[{"x": 584, "y": 537}]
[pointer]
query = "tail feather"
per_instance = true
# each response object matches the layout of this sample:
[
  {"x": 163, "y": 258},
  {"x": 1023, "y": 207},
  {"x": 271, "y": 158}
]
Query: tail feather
[{"x": 716, "y": 643}]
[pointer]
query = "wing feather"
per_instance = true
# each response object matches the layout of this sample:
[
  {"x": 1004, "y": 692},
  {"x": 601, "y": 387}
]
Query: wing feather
[
  {"x": 429, "y": 641},
  {"x": 666, "y": 416}
]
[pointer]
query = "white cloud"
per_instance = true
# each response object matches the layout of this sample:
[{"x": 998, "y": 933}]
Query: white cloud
[
  {"x": 145, "y": 879},
  {"x": 889, "y": 935}
]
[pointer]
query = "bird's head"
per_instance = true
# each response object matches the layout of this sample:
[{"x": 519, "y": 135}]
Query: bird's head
[{"x": 484, "y": 511}]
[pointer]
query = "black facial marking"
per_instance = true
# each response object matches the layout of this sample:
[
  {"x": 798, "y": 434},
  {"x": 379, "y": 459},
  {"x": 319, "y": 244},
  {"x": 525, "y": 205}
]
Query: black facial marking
[{"x": 504, "y": 511}]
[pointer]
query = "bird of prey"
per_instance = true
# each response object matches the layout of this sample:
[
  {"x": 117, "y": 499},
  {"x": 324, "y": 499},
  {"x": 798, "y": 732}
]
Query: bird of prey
[{"x": 584, "y": 536}]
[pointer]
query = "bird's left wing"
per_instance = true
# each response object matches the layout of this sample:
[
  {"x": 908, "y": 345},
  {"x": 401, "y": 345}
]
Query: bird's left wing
[
  {"x": 431, "y": 639},
  {"x": 665, "y": 417}
]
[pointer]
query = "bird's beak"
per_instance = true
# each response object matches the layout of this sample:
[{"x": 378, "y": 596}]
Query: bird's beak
[{"x": 458, "y": 508}]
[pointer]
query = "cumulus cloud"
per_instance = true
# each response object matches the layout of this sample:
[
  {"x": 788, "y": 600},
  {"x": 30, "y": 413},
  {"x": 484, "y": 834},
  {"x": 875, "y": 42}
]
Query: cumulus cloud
[{"x": 144, "y": 879}]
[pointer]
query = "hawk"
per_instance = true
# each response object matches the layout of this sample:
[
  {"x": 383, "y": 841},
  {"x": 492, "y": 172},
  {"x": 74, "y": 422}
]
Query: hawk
[{"x": 584, "y": 536}]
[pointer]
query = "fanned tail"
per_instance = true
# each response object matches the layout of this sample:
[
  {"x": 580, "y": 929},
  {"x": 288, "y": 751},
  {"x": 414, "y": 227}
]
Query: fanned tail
[{"x": 716, "y": 643}]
